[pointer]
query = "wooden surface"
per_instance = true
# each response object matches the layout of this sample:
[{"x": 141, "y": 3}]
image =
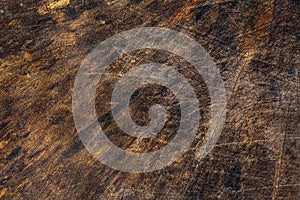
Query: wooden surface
[{"x": 256, "y": 47}]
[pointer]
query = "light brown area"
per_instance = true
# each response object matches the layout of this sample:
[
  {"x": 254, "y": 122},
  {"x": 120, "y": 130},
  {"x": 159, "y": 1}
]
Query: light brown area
[{"x": 255, "y": 45}]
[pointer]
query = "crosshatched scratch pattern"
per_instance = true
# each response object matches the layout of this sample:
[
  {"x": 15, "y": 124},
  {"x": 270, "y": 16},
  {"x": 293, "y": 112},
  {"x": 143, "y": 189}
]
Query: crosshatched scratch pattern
[{"x": 255, "y": 45}]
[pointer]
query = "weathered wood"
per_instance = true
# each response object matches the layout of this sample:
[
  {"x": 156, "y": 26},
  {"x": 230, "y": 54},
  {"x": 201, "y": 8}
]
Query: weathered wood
[{"x": 256, "y": 47}]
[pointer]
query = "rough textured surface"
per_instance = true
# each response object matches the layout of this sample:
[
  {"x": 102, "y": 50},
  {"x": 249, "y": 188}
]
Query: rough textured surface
[{"x": 256, "y": 47}]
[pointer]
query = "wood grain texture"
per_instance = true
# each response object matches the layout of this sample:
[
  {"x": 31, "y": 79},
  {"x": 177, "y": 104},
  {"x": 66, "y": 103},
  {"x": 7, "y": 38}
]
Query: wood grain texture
[{"x": 255, "y": 45}]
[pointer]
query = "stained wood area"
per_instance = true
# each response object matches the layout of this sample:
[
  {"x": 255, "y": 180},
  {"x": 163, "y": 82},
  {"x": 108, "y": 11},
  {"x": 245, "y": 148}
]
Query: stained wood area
[{"x": 255, "y": 44}]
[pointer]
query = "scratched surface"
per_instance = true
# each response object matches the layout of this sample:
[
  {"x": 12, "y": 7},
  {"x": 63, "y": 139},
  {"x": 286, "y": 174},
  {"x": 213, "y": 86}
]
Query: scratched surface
[{"x": 255, "y": 45}]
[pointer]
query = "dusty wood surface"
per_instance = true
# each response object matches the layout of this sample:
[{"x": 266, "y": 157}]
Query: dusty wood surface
[{"x": 256, "y": 47}]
